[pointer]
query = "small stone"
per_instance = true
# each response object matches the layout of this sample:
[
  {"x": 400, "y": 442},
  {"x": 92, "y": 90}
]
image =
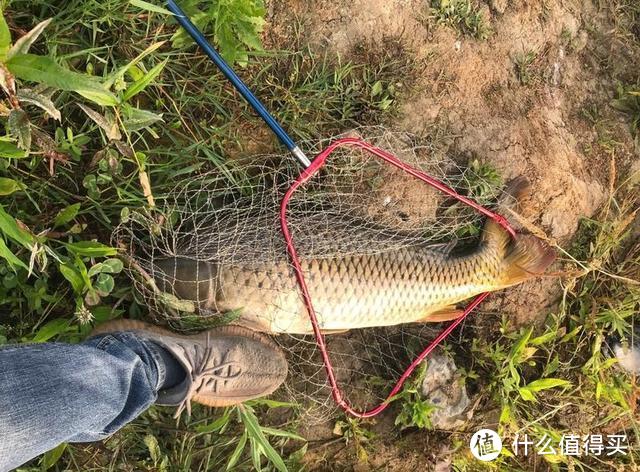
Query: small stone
[{"x": 443, "y": 387}]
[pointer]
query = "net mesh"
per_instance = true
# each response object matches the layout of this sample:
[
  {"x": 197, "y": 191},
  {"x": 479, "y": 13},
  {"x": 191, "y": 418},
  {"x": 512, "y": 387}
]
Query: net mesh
[{"x": 356, "y": 205}]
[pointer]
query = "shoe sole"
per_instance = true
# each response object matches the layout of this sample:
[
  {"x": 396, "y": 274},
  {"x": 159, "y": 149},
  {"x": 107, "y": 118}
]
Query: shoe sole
[{"x": 120, "y": 325}]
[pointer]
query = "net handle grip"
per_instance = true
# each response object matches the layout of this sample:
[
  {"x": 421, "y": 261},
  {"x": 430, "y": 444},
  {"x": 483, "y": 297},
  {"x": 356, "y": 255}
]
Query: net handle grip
[{"x": 237, "y": 82}]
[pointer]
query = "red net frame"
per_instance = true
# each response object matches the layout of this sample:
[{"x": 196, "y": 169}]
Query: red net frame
[{"x": 304, "y": 177}]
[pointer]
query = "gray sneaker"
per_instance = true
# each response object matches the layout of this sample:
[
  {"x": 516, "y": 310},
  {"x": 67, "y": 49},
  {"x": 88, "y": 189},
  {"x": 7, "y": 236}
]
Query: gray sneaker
[{"x": 224, "y": 366}]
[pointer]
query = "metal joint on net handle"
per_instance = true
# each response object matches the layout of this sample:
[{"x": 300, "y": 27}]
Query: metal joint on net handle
[{"x": 306, "y": 174}]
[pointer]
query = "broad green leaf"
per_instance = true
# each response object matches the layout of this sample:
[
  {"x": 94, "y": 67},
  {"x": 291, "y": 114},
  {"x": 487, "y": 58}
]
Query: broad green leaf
[
  {"x": 44, "y": 70},
  {"x": 104, "y": 284},
  {"x": 271, "y": 403},
  {"x": 135, "y": 119},
  {"x": 72, "y": 275},
  {"x": 9, "y": 226},
  {"x": 65, "y": 215},
  {"x": 100, "y": 97},
  {"x": 110, "y": 127},
  {"x": 181, "y": 38},
  {"x": 384, "y": 104},
  {"x": 135, "y": 73},
  {"x": 256, "y": 451},
  {"x": 150, "y": 7},
  {"x": 376, "y": 89},
  {"x": 247, "y": 34},
  {"x": 104, "y": 313},
  {"x": 505, "y": 414},
  {"x": 526, "y": 394},
  {"x": 139, "y": 85},
  {"x": 112, "y": 266},
  {"x": 154, "y": 448},
  {"x": 572, "y": 334},
  {"x": 214, "y": 426},
  {"x": 282, "y": 434},
  {"x": 50, "y": 458},
  {"x": 50, "y": 330},
  {"x": 9, "y": 186},
  {"x": 5, "y": 38},
  {"x": 95, "y": 269},
  {"x": 91, "y": 249},
  {"x": 520, "y": 344},
  {"x": 23, "y": 44},
  {"x": 20, "y": 127},
  {"x": 545, "y": 384},
  {"x": 8, "y": 150},
  {"x": 39, "y": 100},
  {"x": 551, "y": 335},
  {"x": 10, "y": 257},
  {"x": 237, "y": 452}
]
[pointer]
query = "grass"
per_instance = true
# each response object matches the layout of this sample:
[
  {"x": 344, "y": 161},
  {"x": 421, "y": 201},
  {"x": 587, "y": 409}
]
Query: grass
[
  {"x": 76, "y": 180},
  {"x": 462, "y": 15},
  {"x": 85, "y": 170},
  {"x": 523, "y": 63},
  {"x": 628, "y": 102}
]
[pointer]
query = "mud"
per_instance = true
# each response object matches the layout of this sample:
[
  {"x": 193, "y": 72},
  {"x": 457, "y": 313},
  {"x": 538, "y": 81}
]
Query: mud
[{"x": 473, "y": 91}]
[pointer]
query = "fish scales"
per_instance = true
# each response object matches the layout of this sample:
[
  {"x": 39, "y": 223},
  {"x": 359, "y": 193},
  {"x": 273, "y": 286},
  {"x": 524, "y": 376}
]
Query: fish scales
[
  {"x": 410, "y": 284},
  {"x": 382, "y": 289}
]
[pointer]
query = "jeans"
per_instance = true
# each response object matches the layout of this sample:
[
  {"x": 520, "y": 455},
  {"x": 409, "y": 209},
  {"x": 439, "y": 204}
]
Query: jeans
[{"x": 53, "y": 393}]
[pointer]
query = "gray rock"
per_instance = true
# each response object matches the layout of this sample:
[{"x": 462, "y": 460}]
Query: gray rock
[{"x": 444, "y": 388}]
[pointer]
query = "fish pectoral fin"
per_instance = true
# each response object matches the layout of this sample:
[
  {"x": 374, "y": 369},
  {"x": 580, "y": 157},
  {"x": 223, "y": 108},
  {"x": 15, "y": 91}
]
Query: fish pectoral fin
[
  {"x": 444, "y": 314},
  {"x": 334, "y": 331}
]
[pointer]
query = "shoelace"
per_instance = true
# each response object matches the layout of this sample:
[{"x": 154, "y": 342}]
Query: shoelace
[{"x": 202, "y": 376}]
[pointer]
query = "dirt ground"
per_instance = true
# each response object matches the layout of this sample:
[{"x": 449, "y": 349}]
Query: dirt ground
[
  {"x": 472, "y": 89},
  {"x": 542, "y": 125}
]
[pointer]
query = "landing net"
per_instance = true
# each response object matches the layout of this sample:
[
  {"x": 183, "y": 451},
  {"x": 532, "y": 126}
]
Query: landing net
[{"x": 355, "y": 203}]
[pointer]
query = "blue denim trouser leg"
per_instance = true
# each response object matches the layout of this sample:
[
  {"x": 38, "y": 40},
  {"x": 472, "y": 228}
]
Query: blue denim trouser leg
[{"x": 53, "y": 393}]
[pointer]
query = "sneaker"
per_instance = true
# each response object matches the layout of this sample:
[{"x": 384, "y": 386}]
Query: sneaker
[{"x": 224, "y": 366}]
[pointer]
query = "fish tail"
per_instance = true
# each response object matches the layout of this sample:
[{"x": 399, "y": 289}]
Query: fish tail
[{"x": 524, "y": 256}]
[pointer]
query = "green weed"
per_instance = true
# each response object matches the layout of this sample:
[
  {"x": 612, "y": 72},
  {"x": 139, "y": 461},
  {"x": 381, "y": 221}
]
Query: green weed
[
  {"x": 355, "y": 434},
  {"x": 415, "y": 412},
  {"x": 462, "y": 15},
  {"x": 628, "y": 102},
  {"x": 523, "y": 62},
  {"x": 234, "y": 24},
  {"x": 560, "y": 380}
]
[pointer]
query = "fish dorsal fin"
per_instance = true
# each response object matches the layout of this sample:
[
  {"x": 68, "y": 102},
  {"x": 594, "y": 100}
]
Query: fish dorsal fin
[{"x": 444, "y": 314}]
